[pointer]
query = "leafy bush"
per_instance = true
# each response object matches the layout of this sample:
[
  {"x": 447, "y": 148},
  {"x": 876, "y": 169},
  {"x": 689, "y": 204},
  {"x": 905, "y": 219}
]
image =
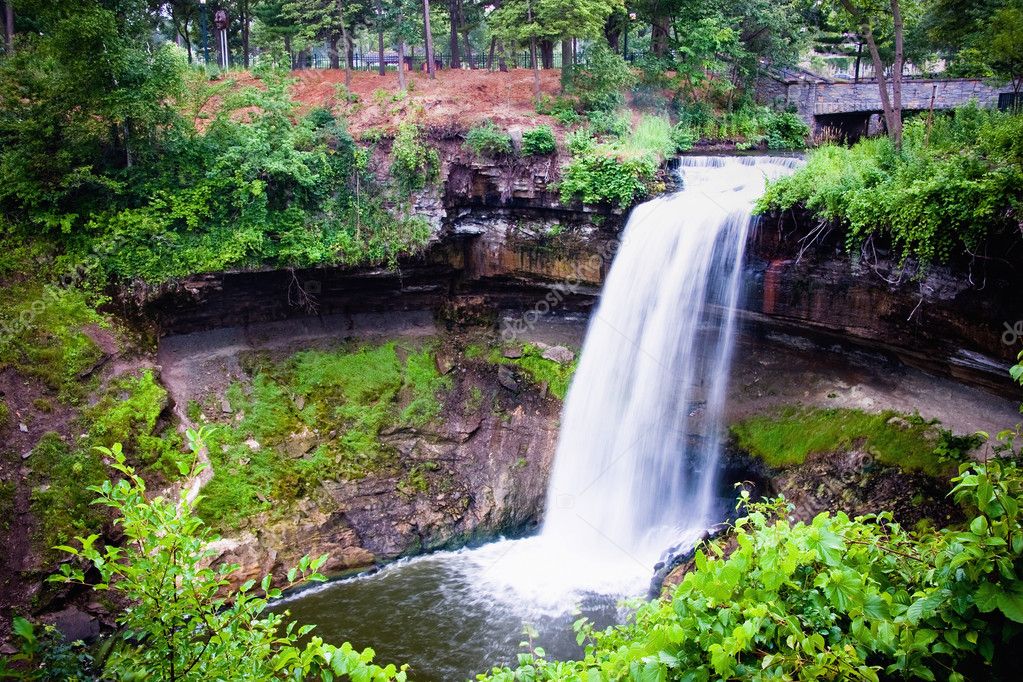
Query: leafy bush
[
  {"x": 562, "y": 109},
  {"x": 684, "y": 137},
  {"x": 832, "y": 599},
  {"x": 539, "y": 141},
  {"x": 599, "y": 80},
  {"x": 942, "y": 195},
  {"x": 653, "y": 136},
  {"x": 603, "y": 175},
  {"x": 184, "y": 622},
  {"x": 415, "y": 164},
  {"x": 487, "y": 139},
  {"x": 608, "y": 123},
  {"x": 579, "y": 141},
  {"x": 786, "y": 130}
]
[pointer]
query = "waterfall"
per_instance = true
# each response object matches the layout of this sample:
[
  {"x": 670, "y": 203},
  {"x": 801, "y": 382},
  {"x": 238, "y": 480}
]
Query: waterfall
[{"x": 636, "y": 464}]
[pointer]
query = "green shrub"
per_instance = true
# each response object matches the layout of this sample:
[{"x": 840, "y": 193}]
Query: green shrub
[
  {"x": 786, "y": 130},
  {"x": 832, "y": 598},
  {"x": 562, "y": 109},
  {"x": 579, "y": 141},
  {"x": 604, "y": 175},
  {"x": 601, "y": 77},
  {"x": 608, "y": 123},
  {"x": 539, "y": 141},
  {"x": 684, "y": 137},
  {"x": 486, "y": 139},
  {"x": 943, "y": 194},
  {"x": 415, "y": 164}
]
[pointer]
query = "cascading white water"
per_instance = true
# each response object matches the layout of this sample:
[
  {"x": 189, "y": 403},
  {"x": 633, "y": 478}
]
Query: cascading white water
[
  {"x": 641, "y": 426},
  {"x": 635, "y": 469}
]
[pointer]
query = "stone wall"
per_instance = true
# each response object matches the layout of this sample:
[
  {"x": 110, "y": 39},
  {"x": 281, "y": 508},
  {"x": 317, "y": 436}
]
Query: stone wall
[{"x": 834, "y": 98}]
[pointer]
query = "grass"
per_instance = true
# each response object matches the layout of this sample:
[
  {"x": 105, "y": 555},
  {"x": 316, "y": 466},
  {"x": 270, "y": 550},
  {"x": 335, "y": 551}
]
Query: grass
[
  {"x": 653, "y": 135},
  {"x": 316, "y": 416},
  {"x": 61, "y": 501},
  {"x": 41, "y": 336},
  {"x": 788, "y": 437},
  {"x": 128, "y": 413}
]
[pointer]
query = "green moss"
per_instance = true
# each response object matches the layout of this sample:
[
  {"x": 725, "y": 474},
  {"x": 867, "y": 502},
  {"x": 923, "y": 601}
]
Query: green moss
[
  {"x": 43, "y": 405},
  {"x": 128, "y": 413},
  {"x": 7, "y": 492},
  {"x": 5, "y": 413},
  {"x": 41, "y": 336},
  {"x": 557, "y": 376},
  {"x": 61, "y": 502},
  {"x": 787, "y": 437},
  {"x": 316, "y": 416}
]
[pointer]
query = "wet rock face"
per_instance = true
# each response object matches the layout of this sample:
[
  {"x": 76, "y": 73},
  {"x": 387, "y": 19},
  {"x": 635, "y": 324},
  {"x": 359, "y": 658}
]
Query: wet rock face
[
  {"x": 479, "y": 471},
  {"x": 951, "y": 320}
]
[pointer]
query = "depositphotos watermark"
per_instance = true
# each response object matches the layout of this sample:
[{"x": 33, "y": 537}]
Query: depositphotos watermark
[
  {"x": 26, "y": 319},
  {"x": 1013, "y": 334},
  {"x": 586, "y": 271}
]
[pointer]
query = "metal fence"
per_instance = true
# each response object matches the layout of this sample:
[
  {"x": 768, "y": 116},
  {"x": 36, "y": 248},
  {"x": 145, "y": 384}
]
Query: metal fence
[
  {"x": 370, "y": 61},
  {"x": 1010, "y": 101}
]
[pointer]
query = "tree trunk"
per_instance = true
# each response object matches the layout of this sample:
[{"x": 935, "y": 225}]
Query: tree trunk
[
  {"x": 892, "y": 118},
  {"x": 536, "y": 68},
  {"x": 9, "y": 26},
  {"x": 243, "y": 14},
  {"x": 401, "y": 64},
  {"x": 490, "y": 58},
  {"x": 348, "y": 56},
  {"x": 897, "y": 68},
  {"x": 502, "y": 63},
  {"x": 381, "y": 67},
  {"x": 659, "y": 36},
  {"x": 335, "y": 58},
  {"x": 287, "y": 49},
  {"x": 431, "y": 68},
  {"x": 547, "y": 54},
  {"x": 465, "y": 36},
  {"x": 566, "y": 62},
  {"x": 859, "y": 59},
  {"x": 453, "y": 47}
]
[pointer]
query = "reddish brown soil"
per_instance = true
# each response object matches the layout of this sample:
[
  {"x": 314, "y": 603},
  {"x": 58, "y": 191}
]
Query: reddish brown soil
[{"x": 455, "y": 100}]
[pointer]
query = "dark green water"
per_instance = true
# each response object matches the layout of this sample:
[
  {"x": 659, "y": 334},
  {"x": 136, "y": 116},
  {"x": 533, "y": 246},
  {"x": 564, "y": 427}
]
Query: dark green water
[{"x": 448, "y": 615}]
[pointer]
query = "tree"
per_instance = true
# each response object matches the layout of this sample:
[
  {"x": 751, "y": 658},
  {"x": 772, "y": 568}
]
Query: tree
[
  {"x": 185, "y": 622},
  {"x": 276, "y": 26},
  {"x": 865, "y": 14},
  {"x": 331, "y": 21},
  {"x": 1005, "y": 45},
  {"x": 428, "y": 40},
  {"x": 9, "y": 26}
]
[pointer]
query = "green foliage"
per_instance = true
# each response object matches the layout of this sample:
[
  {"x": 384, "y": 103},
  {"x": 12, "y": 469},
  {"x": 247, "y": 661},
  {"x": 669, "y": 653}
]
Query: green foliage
[
  {"x": 579, "y": 141},
  {"x": 786, "y": 130},
  {"x": 684, "y": 137},
  {"x": 317, "y": 416},
  {"x": 604, "y": 175},
  {"x": 949, "y": 189},
  {"x": 539, "y": 141},
  {"x": 601, "y": 78},
  {"x": 127, "y": 413},
  {"x": 790, "y": 436},
  {"x": 653, "y": 135},
  {"x": 185, "y": 622},
  {"x": 608, "y": 123},
  {"x": 42, "y": 335},
  {"x": 60, "y": 501},
  {"x": 486, "y": 139},
  {"x": 562, "y": 109},
  {"x": 44, "y": 654},
  {"x": 833, "y": 599},
  {"x": 555, "y": 375},
  {"x": 415, "y": 164}
]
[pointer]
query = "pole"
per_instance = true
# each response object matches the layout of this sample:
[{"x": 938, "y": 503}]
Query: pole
[{"x": 205, "y": 33}]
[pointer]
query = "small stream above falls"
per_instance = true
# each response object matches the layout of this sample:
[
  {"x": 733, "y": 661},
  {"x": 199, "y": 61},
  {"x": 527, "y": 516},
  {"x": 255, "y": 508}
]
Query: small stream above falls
[{"x": 630, "y": 482}]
